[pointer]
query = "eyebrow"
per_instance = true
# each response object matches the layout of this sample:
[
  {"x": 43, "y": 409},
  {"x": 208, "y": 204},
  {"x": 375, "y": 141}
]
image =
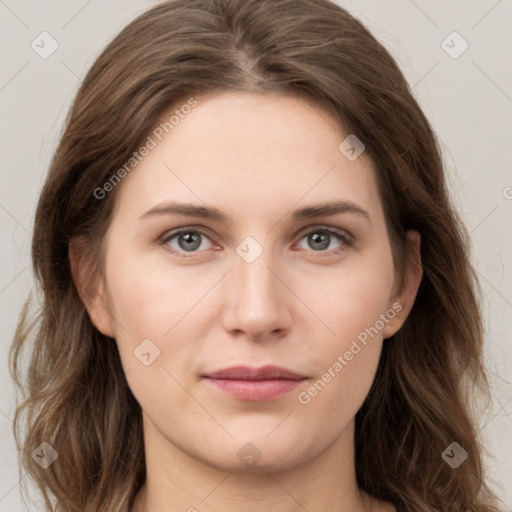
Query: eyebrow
[{"x": 212, "y": 213}]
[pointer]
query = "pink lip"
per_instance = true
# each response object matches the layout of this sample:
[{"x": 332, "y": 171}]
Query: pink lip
[{"x": 257, "y": 384}]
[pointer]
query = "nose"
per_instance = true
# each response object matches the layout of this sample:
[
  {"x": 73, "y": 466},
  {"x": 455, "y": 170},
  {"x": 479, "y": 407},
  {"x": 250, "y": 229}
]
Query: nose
[{"x": 257, "y": 303}]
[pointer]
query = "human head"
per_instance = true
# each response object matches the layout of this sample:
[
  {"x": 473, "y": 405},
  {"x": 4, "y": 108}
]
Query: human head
[{"x": 319, "y": 52}]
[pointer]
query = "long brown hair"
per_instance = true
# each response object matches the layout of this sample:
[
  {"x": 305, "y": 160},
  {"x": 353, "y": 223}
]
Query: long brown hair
[{"x": 75, "y": 393}]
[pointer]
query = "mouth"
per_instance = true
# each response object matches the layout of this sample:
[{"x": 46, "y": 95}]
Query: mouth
[{"x": 254, "y": 384}]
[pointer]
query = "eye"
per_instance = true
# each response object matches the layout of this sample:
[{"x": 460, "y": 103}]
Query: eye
[
  {"x": 186, "y": 240},
  {"x": 193, "y": 240},
  {"x": 321, "y": 238}
]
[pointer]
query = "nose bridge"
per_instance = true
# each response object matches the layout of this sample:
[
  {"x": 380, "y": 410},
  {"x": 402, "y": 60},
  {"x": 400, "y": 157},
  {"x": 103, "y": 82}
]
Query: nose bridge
[
  {"x": 257, "y": 299},
  {"x": 255, "y": 282}
]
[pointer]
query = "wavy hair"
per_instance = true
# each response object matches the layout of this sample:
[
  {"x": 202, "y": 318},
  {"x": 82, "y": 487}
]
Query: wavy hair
[{"x": 75, "y": 396}]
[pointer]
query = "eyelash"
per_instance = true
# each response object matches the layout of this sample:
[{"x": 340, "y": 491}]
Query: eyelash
[{"x": 345, "y": 238}]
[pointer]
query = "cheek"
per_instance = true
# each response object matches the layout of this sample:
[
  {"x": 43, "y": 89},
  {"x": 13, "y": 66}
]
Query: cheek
[
  {"x": 149, "y": 297},
  {"x": 345, "y": 362},
  {"x": 351, "y": 303},
  {"x": 148, "y": 304},
  {"x": 348, "y": 301},
  {"x": 331, "y": 400},
  {"x": 151, "y": 307}
]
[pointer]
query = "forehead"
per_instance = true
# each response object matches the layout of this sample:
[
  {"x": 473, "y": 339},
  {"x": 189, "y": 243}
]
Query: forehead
[{"x": 246, "y": 150}]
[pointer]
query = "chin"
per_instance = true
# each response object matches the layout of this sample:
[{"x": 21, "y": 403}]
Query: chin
[{"x": 258, "y": 454}]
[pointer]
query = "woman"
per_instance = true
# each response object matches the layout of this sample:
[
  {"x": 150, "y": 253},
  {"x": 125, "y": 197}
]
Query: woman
[{"x": 256, "y": 293}]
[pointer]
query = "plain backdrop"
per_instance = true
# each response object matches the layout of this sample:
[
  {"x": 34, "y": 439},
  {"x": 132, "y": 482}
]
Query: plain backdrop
[{"x": 467, "y": 97}]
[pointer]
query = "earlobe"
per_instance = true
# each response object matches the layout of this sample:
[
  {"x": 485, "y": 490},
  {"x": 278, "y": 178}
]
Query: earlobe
[
  {"x": 403, "y": 302},
  {"x": 91, "y": 289}
]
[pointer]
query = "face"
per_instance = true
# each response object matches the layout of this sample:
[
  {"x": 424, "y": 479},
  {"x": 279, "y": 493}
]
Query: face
[{"x": 268, "y": 277}]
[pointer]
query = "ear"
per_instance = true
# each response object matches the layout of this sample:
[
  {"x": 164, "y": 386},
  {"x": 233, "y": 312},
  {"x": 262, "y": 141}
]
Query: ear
[
  {"x": 91, "y": 288},
  {"x": 403, "y": 301}
]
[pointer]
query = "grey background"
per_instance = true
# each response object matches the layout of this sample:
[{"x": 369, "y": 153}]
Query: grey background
[{"x": 467, "y": 99}]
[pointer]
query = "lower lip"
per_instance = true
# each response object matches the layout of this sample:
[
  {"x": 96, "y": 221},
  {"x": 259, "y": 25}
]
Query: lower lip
[{"x": 256, "y": 390}]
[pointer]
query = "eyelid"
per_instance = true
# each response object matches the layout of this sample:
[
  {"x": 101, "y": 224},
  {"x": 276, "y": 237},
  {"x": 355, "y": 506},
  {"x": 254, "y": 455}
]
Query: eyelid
[
  {"x": 185, "y": 229},
  {"x": 340, "y": 231},
  {"x": 331, "y": 229}
]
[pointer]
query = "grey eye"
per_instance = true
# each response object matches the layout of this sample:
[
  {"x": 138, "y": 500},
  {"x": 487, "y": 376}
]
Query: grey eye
[{"x": 188, "y": 241}]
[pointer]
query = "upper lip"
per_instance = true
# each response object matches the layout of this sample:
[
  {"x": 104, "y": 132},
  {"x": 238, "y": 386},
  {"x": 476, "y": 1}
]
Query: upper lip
[{"x": 267, "y": 372}]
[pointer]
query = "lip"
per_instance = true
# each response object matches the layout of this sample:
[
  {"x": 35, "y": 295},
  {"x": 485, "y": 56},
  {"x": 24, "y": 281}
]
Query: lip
[{"x": 255, "y": 384}]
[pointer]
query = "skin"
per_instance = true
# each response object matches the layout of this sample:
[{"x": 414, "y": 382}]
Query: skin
[{"x": 296, "y": 306}]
